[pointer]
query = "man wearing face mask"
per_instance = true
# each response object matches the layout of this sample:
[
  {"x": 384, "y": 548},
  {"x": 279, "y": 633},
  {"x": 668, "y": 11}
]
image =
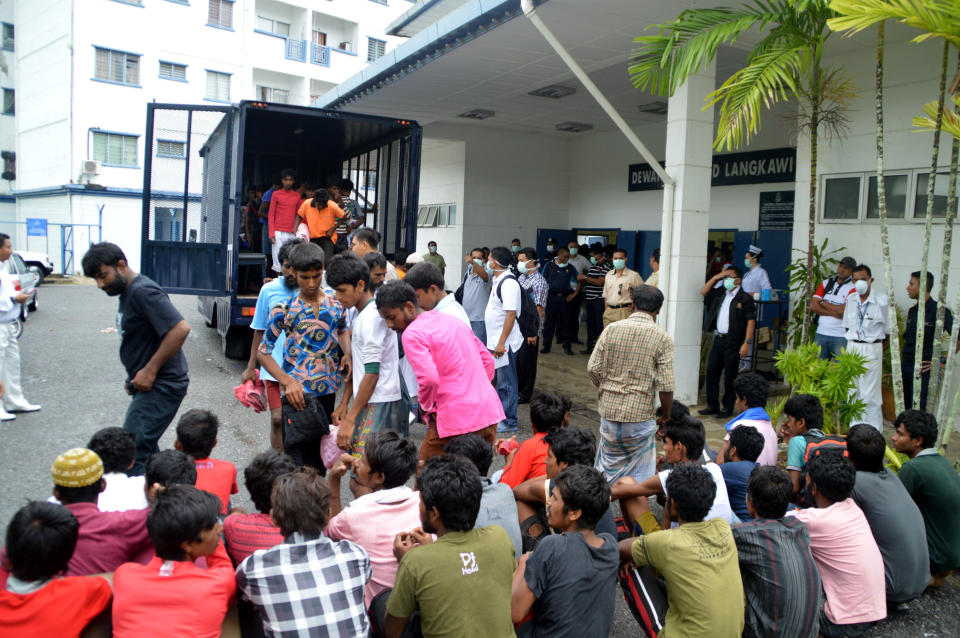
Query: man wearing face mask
[
  {"x": 733, "y": 326},
  {"x": 515, "y": 246},
  {"x": 578, "y": 261},
  {"x": 593, "y": 293},
  {"x": 828, "y": 303},
  {"x": 560, "y": 313},
  {"x": 476, "y": 292},
  {"x": 536, "y": 286},
  {"x": 503, "y": 332},
  {"x": 867, "y": 326},
  {"x": 551, "y": 252},
  {"x": 435, "y": 258},
  {"x": 618, "y": 285},
  {"x": 756, "y": 278}
]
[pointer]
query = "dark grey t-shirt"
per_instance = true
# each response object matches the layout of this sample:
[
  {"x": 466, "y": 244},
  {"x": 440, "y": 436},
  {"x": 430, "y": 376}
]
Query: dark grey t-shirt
[
  {"x": 575, "y": 585},
  {"x": 897, "y": 526},
  {"x": 144, "y": 316}
]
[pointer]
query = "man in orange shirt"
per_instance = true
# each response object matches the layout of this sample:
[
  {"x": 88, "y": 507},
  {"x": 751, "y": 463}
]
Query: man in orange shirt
[
  {"x": 282, "y": 219},
  {"x": 320, "y": 215},
  {"x": 530, "y": 459}
]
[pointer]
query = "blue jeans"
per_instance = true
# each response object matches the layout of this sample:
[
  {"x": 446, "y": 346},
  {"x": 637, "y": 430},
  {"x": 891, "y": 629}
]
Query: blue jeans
[
  {"x": 830, "y": 347},
  {"x": 147, "y": 419},
  {"x": 506, "y": 380},
  {"x": 480, "y": 329}
]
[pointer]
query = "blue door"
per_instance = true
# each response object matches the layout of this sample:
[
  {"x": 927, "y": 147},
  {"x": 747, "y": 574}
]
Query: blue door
[
  {"x": 649, "y": 241},
  {"x": 562, "y": 235}
]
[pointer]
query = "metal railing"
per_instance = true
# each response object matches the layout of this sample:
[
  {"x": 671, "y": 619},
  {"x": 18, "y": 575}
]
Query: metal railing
[
  {"x": 296, "y": 50},
  {"x": 86, "y": 235},
  {"x": 319, "y": 54}
]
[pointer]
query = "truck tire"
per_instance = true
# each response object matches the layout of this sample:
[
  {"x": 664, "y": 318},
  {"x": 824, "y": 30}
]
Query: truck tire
[{"x": 236, "y": 343}]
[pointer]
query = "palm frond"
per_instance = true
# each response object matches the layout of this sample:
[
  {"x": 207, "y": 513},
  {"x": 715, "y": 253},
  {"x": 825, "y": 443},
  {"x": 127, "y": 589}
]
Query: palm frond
[
  {"x": 769, "y": 78},
  {"x": 951, "y": 119},
  {"x": 936, "y": 18}
]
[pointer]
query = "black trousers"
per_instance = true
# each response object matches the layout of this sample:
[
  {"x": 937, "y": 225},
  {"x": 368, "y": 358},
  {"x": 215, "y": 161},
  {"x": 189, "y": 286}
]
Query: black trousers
[
  {"x": 556, "y": 319},
  {"x": 595, "y": 308},
  {"x": 309, "y": 453},
  {"x": 326, "y": 245},
  {"x": 527, "y": 370},
  {"x": 906, "y": 368},
  {"x": 724, "y": 359}
]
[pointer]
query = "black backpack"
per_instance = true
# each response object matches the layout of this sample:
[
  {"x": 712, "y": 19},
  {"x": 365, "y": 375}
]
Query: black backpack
[{"x": 529, "y": 317}]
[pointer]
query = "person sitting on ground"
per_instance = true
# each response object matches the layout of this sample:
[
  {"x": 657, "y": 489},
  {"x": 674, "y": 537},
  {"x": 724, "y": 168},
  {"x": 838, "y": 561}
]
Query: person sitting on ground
[
  {"x": 680, "y": 414},
  {"x": 245, "y": 533},
  {"x": 742, "y": 450},
  {"x": 117, "y": 448},
  {"x": 681, "y": 444},
  {"x": 781, "y": 581},
  {"x": 166, "y": 468},
  {"x": 36, "y": 602},
  {"x": 569, "y": 582},
  {"x": 698, "y": 559},
  {"x": 170, "y": 595},
  {"x": 309, "y": 584},
  {"x": 802, "y": 425},
  {"x": 459, "y": 583},
  {"x": 427, "y": 282},
  {"x": 529, "y": 459},
  {"x": 106, "y": 539},
  {"x": 197, "y": 436},
  {"x": 751, "y": 391},
  {"x": 566, "y": 447},
  {"x": 497, "y": 505},
  {"x": 373, "y": 391},
  {"x": 895, "y": 520},
  {"x": 383, "y": 507},
  {"x": 934, "y": 486},
  {"x": 851, "y": 566}
]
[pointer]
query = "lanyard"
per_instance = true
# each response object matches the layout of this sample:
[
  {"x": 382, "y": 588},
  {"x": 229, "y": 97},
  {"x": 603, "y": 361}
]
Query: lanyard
[{"x": 862, "y": 314}]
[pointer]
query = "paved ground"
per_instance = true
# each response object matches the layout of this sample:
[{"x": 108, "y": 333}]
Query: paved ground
[{"x": 71, "y": 367}]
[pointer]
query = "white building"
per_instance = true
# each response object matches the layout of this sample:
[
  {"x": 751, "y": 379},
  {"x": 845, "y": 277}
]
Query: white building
[
  {"x": 516, "y": 147},
  {"x": 87, "y": 69}
]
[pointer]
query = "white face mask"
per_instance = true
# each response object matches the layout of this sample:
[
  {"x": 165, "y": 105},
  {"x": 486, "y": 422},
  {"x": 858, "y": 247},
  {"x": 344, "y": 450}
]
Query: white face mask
[{"x": 861, "y": 286}]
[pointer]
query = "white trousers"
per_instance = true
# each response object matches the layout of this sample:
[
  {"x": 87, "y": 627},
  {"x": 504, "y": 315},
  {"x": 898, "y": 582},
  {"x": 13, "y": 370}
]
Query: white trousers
[
  {"x": 867, "y": 385},
  {"x": 13, "y": 398},
  {"x": 280, "y": 237}
]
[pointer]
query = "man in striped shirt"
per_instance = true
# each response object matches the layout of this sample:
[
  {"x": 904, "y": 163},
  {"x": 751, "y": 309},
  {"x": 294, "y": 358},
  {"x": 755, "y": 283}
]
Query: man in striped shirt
[
  {"x": 593, "y": 294},
  {"x": 781, "y": 581}
]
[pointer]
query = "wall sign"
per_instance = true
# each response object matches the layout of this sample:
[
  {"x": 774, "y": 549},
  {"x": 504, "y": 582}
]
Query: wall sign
[
  {"x": 776, "y": 210},
  {"x": 36, "y": 227},
  {"x": 731, "y": 169}
]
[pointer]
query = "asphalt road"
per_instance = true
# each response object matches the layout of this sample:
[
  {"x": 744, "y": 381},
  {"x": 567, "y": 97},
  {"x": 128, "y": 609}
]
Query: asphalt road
[{"x": 72, "y": 368}]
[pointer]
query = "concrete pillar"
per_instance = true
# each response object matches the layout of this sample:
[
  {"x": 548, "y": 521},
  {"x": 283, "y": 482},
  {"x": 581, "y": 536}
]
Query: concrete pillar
[{"x": 689, "y": 161}]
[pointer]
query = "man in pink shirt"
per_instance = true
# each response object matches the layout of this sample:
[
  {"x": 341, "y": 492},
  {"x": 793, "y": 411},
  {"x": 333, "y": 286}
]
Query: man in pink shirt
[
  {"x": 850, "y": 563},
  {"x": 282, "y": 219},
  {"x": 453, "y": 368},
  {"x": 751, "y": 391}
]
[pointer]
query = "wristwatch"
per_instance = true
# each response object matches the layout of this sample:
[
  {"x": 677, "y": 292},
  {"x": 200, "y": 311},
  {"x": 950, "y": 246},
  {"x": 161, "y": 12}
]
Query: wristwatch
[{"x": 748, "y": 341}]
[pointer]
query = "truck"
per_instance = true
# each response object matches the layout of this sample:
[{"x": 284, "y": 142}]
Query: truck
[{"x": 200, "y": 161}]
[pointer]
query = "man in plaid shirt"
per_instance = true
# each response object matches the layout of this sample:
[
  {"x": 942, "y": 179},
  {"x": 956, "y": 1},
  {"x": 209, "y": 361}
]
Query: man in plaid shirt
[
  {"x": 308, "y": 585},
  {"x": 632, "y": 361},
  {"x": 535, "y": 285}
]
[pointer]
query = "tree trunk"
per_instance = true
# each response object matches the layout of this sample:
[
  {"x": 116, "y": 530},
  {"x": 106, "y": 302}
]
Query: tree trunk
[
  {"x": 928, "y": 227},
  {"x": 884, "y": 232},
  {"x": 812, "y": 211}
]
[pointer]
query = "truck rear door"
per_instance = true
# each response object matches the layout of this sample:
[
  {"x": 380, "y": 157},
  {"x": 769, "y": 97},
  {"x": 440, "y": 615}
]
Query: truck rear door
[{"x": 187, "y": 200}]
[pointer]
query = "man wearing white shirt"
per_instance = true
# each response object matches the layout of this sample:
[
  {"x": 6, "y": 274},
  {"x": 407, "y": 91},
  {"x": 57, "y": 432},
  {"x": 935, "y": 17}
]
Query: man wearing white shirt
[
  {"x": 504, "y": 339},
  {"x": 427, "y": 282},
  {"x": 11, "y": 303},
  {"x": 865, "y": 319}
]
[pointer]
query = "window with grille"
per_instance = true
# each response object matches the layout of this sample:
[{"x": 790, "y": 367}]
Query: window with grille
[
  {"x": 218, "y": 86},
  {"x": 9, "y": 102},
  {"x": 171, "y": 148},
  {"x": 273, "y": 26},
  {"x": 8, "y": 39},
  {"x": 270, "y": 94},
  {"x": 375, "y": 49},
  {"x": 220, "y": 13},
  {"x": 115, "y": 148},
  {"x": 171, "y": 71},
  {"x": 117, "y": 66}
]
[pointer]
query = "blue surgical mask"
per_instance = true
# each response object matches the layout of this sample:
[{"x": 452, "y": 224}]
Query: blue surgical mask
[
  {"x": 574, "y": 251},
  {"x": 593, "y": 260},
  {"x": 728, "y": 283},
  {"x": 619, "y": 264},
  {"x": 488, "y": 268},
  {"x": 747, "y": 262},
  {"x": 515, "y": 249},
  {"x": 478, "y": 262},
  {"x": 522, "y": 267}
]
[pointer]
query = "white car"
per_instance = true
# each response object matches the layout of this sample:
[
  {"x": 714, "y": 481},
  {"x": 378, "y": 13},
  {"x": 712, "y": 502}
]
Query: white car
[
  {"x": 25, "y": 280},
  {"x": 40, "y": 263}
]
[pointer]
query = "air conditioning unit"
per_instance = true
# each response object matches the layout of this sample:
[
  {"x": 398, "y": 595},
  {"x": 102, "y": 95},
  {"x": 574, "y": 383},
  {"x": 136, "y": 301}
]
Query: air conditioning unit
[{"x": 90, "y": 167}]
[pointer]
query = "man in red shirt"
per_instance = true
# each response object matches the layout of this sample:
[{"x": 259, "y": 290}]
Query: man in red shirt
[
  {"x": 530, "y": 459},
  {"x": 197, "y": 436},
  {"x": 246, "y": 533},
  {"x": 36, "y": 601},
  {"x": 282, "y": 220},
  {"x": 171, "y": 595}
]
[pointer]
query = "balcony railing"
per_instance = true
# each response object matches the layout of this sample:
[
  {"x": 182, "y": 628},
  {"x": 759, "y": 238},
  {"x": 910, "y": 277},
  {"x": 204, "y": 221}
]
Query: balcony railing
[
  {"x": 296, "y": 50},
  {"x": 319, "y": 54}
]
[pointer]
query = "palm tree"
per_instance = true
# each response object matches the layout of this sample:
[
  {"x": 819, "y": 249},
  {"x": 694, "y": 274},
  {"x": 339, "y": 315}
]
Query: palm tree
[{"x": 785, "y": 64}]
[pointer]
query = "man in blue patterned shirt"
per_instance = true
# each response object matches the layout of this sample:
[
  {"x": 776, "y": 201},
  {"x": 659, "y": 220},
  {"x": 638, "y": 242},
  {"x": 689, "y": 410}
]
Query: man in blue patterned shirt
[{"x": 535, "y": 285}]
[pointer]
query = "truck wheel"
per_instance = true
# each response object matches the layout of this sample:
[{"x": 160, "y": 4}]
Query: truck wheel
[
  {"x": 236, "y": 343},
  {"x": 212, "y": 321}
]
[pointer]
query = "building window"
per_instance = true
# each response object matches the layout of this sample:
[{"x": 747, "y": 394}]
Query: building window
[
  {"x": 9, "y": 102},
  {"x": 8, "y": 39},
  {"x": 171, "y": 149},
  {"x": 841, "y": 198},
  {"x": 270, "y": 94},
  {"x": 896, "y": 195},
  {"x": 273, "y": 26},
  {"x": 375, "y": 49},
  {"x": 436, "y": 215},
  {"x": 117, "y": 66},
  {"x": 218, "y": 86},
  {"x": 116, "y": 149},
  {"x": 171, "y": 71},
  {"x": 220, "y": 13},
  {"x": 853, "y": 197},
  {"x": 940, "y": 191}
]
